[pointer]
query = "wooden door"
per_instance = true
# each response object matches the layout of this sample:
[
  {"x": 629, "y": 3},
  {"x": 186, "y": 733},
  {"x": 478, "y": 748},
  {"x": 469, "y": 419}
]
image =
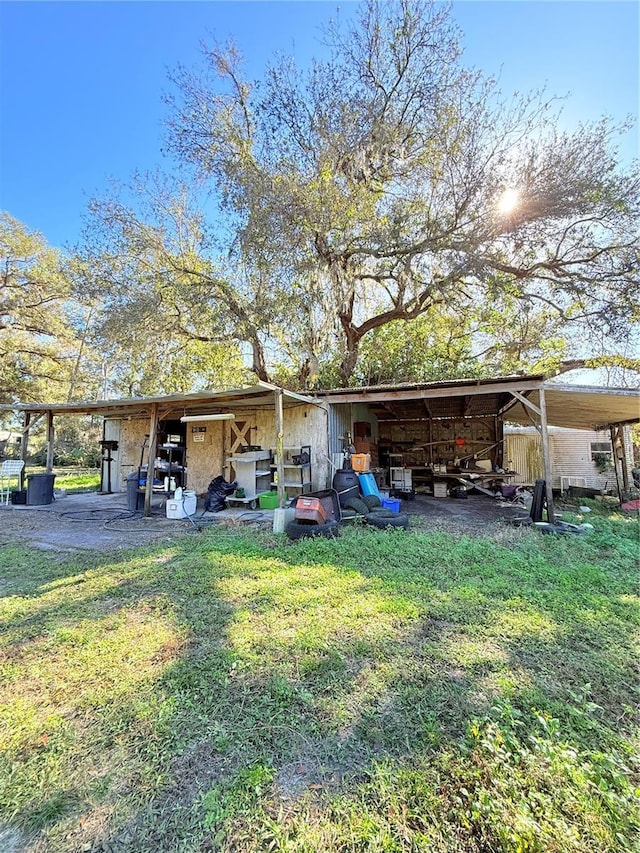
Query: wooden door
[{"x": 239, "y": 435}]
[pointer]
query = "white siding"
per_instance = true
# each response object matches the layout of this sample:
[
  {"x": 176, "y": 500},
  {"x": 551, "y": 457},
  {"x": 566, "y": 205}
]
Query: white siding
[
  {"x": 570, "y": 451},
  {"x": 572, "y": 458}
]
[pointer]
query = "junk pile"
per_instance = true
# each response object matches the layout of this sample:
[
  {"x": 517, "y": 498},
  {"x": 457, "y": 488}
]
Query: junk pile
[
  {"x": 539, "y": 507},
  {"x": 354, "y": 497}
]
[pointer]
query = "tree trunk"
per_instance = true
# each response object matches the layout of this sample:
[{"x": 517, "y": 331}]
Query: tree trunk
[{"x": 350, "y": 357}]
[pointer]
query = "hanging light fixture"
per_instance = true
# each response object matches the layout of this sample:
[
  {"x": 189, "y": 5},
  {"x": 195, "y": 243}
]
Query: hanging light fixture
[{"x": 223, "y": 416}]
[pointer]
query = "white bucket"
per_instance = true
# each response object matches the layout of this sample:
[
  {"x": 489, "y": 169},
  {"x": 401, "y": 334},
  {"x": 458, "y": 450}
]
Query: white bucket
[{"x": 184, "y": 507}]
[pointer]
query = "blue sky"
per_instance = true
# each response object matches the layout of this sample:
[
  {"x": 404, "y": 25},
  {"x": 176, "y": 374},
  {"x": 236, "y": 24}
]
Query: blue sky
[{"x": 81, "y": 83}]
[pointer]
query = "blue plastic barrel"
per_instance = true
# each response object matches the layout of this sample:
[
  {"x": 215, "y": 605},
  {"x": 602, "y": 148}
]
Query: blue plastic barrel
[{"x": 368, "y": 485}]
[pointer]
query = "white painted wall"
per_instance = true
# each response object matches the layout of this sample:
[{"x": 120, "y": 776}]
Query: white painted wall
[{"x": 570, "y": 451}]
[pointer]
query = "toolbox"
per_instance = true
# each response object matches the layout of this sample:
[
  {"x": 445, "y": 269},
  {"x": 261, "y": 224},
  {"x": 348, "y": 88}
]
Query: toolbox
[{"x": 310, "y": 509}]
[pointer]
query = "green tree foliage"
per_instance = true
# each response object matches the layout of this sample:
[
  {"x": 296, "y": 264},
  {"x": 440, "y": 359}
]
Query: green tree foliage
[
  {"x": 37, "y": 337},
  {"x": 166, "y": 318},
  {"x": 372, "y": 185}
]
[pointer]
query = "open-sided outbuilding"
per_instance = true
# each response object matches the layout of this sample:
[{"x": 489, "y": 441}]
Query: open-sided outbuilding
[
  {"x": 428, "y": 424},
  {"x": 206, "y": 429}
]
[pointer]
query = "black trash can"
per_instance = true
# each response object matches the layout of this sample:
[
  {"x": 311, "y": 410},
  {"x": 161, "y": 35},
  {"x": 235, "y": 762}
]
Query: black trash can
[
  {"x": 135, "y": 498},
  {"x": 346, "y": 484},
  {"x": 40, "y": 489}
]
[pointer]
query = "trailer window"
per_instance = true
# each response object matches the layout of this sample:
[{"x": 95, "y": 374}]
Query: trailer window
[{"x": 602, "y": 454}]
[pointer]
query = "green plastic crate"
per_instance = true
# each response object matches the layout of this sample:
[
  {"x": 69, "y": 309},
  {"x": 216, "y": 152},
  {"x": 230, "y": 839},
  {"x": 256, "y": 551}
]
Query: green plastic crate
[{"x": 268, "y": 500}]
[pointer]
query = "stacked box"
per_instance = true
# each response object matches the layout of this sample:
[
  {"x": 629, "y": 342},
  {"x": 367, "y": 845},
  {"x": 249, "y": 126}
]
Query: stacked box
[
  {"x": 439, "y": 490},
  {"x": 360, "y": 461}
]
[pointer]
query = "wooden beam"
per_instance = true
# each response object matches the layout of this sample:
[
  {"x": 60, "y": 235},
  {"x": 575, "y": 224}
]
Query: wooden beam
[
  {"x": 279, "y": 411},
  {"x": 546, "y": 456},
  {"x": 427, "y": 408},
  {"x": 620, "y": 460},
  {"x": 151, "y": 459},
  {"x": 626, "y": 475},
  {"x": 616, "y": 462},
  {"x": 24, "y": 447},
  {"x": 433, "y": 393},
  {"x": 50, "y": 438},
  {"x": 526, "y": 402},
  {"x": 468, "y": 404}
]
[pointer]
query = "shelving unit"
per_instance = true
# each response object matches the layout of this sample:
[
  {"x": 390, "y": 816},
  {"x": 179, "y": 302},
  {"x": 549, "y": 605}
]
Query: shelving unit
[
  {"x": 400, "y": 479},
  {"x": 297, "y": 475},
  {"x": 168, "y": 469},
  {"x": 253, "y": 474}
]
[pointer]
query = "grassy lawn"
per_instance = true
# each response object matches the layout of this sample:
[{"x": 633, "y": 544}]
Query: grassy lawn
[
  {"x": 380, "y": 692},
  {"x": 72, "y": 479}
]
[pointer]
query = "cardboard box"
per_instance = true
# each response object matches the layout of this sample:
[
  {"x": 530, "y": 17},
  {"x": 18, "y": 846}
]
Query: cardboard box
[
  {"x": 360, "y": 461},
  {"x": 440, "y": 490}
]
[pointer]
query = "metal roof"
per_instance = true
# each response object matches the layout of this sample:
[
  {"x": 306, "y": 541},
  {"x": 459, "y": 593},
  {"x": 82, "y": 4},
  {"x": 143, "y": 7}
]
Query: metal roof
[
  {"x": 202, "y": 402},
  {"x": 582, "y": 406},
  {"x": 572, "y": 406}
]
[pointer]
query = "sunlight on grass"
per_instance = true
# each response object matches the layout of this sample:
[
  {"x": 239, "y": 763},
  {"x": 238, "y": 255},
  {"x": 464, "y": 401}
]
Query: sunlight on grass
[
  {"x": 237, "y": 692},
  {"x": 304, "y": 608},
  {"x": 517, "y": 618},
  {"x": 81, "y": 667}
]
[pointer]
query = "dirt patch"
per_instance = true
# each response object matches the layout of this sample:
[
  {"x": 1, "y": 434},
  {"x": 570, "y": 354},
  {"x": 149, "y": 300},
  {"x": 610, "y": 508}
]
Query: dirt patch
[
  {"x": 11, "y": 841},
  {"x": 475, "y": 514},
  {"x": 95, "y": 522},
  {"x": 85, "y": 522}
]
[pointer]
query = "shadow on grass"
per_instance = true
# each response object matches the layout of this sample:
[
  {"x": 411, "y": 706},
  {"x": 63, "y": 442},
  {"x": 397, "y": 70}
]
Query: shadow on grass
[{"x": 313, "y": 661}]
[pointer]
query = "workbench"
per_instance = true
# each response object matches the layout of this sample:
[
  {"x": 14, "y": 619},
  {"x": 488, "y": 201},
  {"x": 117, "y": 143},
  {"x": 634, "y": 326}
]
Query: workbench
[{"x": 467, "y": 477}]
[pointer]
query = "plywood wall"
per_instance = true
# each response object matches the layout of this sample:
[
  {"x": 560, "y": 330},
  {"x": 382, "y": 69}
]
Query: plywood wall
[
  {"x": 132, "y": 435},
  {"x": 207, "y": 451},
  {"x": 205, "y": 454},
  {"x": 302, "y": 425},
  {"x": 425, "y": 442}
]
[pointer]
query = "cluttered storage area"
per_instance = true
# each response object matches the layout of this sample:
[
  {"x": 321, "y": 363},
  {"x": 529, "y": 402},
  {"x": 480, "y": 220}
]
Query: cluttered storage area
[
  {"x": 195, "y": 446},
  {"x": 423, "y": 445}
]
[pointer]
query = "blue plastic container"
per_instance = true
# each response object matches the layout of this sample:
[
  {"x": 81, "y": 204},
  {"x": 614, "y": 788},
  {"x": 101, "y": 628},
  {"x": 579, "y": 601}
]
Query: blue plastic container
[
  {"x": 391, "y": 503},
  {"x": 368, "y": 485}
]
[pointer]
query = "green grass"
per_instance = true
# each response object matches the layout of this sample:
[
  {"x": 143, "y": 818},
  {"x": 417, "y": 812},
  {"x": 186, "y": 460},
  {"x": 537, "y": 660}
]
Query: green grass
[
  {"x": 73, "y": 479},
  {"x": 379, "y": 692}
]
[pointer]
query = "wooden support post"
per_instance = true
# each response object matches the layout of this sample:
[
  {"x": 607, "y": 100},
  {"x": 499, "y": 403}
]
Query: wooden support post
[
  {"x": 223, "y": 448},
  {"x": 24, "y": 445},
  {"x": 546, "y": 456},
  {"x": 151, "y": 459},
  {"x": 616, "y": 462},
  {"x": 282, "y": 492},
  {"x": 626, "y": 476},
  {"x": 50, "y": 438}
]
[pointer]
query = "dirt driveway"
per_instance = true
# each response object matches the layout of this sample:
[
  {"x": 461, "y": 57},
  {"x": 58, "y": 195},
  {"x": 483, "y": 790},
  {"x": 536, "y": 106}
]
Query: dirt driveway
[
  {"x": 92, "y": 521},
  {"x": 87, "y": 521}
]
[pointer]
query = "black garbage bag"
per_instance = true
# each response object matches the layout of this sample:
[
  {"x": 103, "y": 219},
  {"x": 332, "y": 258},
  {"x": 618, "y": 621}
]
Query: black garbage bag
[{"x": 218, "y": 490}]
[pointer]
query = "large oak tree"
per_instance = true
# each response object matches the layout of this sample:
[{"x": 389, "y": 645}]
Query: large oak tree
[
  {"x": 373, "y": 187},
  {"x": 40, "y": 325}
]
